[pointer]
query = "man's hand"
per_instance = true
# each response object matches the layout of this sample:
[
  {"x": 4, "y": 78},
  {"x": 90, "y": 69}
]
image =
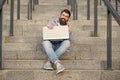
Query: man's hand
[{"x": 50, "y": 27}]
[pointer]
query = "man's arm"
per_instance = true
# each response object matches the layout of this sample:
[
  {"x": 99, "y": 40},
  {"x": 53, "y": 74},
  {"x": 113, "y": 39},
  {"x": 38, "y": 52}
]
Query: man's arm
[
  {"x": 69, "y": 27},
  {"x": 51, "y": 24}
]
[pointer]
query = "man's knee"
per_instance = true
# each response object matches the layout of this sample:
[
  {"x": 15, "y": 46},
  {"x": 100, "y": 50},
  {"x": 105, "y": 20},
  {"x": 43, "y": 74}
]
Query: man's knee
[
  {"x": 46, "y": 44},
  {"x": 67, "y": 42}
]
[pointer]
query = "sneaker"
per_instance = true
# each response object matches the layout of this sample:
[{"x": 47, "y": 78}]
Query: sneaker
[
  {"x": 47, "y": 66},
  {"x": 60, "y": 69}
]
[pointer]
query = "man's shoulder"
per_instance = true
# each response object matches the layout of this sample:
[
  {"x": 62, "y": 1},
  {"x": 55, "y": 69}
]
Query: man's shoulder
[{"x": 53, "y": 22}]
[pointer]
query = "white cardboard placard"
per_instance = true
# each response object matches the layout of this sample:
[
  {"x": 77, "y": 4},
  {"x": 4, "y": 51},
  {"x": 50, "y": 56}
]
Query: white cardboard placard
[{"x": 57, "y": 33}]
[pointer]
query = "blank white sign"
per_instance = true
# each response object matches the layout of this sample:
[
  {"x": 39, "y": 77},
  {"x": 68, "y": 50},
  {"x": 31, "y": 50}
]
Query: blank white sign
[{"x": 57, "y": 33}]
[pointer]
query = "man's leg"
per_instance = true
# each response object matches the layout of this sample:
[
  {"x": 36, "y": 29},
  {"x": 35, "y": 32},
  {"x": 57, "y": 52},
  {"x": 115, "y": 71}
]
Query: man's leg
[
  {"x": 63, "y": 47},
  {"x": 50, "y": 51}
]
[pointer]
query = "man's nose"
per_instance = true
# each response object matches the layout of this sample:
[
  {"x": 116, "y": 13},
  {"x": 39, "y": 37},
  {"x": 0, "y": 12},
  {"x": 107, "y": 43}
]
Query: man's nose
[{"x": 64, "y": 17}]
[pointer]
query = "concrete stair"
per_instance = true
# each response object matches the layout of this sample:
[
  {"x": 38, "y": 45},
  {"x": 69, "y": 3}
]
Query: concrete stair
[
  {"x": 54, "y": 8},
  {"x": 68, "y": 75},
  {"x": 23, "y": 58}
]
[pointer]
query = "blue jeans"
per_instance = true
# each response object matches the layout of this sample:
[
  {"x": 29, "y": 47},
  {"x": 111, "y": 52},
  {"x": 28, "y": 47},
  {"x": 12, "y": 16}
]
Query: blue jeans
[{"x": 55, "y": 49}]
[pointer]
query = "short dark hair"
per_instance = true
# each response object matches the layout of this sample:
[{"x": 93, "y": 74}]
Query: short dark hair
[{"x": 66, "y": 11}]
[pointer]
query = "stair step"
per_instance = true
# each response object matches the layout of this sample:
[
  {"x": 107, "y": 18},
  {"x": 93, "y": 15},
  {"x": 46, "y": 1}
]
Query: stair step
[
  {"x": 21, "y": 39},
  {"x": 38, "y": 55},
  {"x": 33, "y": 46},
  {"x": 32, "y": 31},
  {"x": 101, "y": 27},
  {"x": 46, "y": 11},
  {"x": 53, "y": 10},
  {"x": 69, "y": 64},
  {"x": 46, "y": 2},
  {"x": 34, "y": 55},
  {"x": 76, "y": 39},
  {"x": 38, "y": 24},
  {"x": 24, "y": 49},
  {"x": 77, "y": 51},
  {"x": 38, "y": 64},
  {"x": 67, "y": 74}
]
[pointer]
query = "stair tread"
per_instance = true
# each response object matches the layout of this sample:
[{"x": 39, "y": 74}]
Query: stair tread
[
  {"x": 67, "y": 74},
  {"x": 69, "y": 64}
]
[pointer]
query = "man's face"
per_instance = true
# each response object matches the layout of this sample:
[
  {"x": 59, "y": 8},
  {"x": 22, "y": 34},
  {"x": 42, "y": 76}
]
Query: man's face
[{"x": 65, "y": 16}]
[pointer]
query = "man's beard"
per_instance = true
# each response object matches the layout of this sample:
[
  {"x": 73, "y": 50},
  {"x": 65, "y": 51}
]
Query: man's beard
[{"x": 62, "y": 21}]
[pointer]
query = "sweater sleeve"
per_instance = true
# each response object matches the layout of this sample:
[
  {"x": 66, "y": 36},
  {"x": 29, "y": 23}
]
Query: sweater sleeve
[
  {"x": 71, "y": 37},
  {"x": 53, "y": 23}
]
